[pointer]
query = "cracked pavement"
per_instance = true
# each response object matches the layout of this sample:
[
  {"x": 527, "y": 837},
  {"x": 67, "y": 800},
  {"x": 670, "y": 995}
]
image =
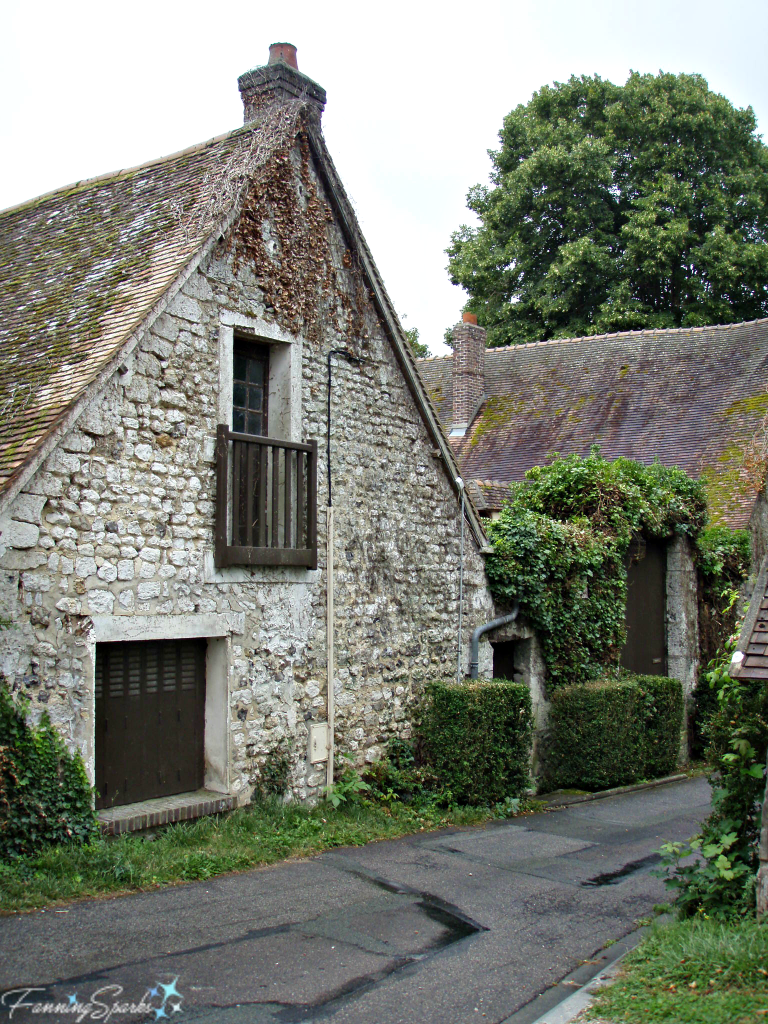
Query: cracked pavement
[{"x": 453, "y": 926}]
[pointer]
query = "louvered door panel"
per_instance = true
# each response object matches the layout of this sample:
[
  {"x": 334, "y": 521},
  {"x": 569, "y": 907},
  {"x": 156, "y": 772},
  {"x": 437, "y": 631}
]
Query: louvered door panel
[{"x": 150, "y": 715}]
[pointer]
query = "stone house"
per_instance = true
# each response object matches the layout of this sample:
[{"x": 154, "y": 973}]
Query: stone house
[
  {"x": 199, "y": 359},
  {"x": 696, "y": 398}
]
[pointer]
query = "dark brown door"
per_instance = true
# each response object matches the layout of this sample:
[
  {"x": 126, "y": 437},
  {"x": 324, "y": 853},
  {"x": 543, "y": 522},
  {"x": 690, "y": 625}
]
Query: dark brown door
[
  {"x": 645, "y": 651},
  {"x": 150, "y": 716}
]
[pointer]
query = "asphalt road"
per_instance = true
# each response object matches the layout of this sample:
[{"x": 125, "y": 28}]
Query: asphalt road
[{"x": 447, "y": 927}]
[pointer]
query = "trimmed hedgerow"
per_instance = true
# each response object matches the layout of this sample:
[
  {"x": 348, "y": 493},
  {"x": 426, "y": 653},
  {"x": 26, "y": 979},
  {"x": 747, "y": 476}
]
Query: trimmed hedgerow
[
  {"x": 44, "y": 792},
  {"x": 663, "y": 706},
  {"x": 610, "y": 733},
  {"x": 476, "y": 738}
]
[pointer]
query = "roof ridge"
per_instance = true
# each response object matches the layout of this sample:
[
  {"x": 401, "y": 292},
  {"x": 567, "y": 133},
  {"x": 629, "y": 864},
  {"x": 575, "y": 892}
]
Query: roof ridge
[
  {"x": 648, "y": 331},
  {"x": 125, "y": 171}
]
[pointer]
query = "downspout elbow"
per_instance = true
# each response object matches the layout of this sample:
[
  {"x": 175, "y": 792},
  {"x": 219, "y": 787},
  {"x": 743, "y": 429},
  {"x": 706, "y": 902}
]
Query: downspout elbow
[{"x": 474, "y": 663}]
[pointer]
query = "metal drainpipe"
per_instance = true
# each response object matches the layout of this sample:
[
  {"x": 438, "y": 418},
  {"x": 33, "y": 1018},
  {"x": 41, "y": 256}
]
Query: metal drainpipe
[
  {"x": 474, "y": 664},
  {"x": 331, "y": 704},
  {"x": 460, "y": 485}
]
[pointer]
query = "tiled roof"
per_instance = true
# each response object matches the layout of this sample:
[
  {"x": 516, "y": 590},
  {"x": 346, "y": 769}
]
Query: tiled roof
[
  {"x": 82, "y": 267},
  {"x": 693, "y": 398},
  {"x": 488, "y": 494}
]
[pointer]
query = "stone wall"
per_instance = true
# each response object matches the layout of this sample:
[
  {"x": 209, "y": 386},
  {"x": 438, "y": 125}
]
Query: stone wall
[
  {"x": 118, "y": 524},
  {"x": 682, "y": 625}
]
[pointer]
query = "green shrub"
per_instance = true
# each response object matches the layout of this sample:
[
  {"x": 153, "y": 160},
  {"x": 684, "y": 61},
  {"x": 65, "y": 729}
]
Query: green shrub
[
  {"x": 662, "y": 706},
  {"x": 476, "y": 738},
  {"x": 610, "y": 733},
  {"x": 397, "y": 776},
  {"x": 272, "y": 777},
  {"x": 44, "y": 792}
]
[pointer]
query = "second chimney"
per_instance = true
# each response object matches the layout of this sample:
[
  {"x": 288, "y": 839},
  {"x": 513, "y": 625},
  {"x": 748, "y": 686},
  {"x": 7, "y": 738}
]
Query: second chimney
[{"x": 468, "y": 373}]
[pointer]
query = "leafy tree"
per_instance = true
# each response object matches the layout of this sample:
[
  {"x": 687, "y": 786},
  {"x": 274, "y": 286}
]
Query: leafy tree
[
  {"x": 617, "y": 208},
  {"x": 419, "y": 349}
]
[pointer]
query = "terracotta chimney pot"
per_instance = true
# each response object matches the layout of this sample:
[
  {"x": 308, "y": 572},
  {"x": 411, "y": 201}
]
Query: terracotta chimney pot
[
  {"x": 469, "y": 318},
  {"x": 285, "y": 52}
]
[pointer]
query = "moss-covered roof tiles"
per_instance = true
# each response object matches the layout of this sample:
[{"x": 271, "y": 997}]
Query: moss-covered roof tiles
[
  {"x": 80, "y": 270},
  {"x": 694, "y": 398}
]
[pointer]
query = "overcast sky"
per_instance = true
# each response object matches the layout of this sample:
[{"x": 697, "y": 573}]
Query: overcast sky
[{"x": 416, "y": 94}]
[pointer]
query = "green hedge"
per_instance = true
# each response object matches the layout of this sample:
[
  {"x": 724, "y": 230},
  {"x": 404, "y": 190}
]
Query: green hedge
[
  {"x": 610, "y": 733},
  {"x": 476, "y": 737},
  {"x": 44, "y": 792}
]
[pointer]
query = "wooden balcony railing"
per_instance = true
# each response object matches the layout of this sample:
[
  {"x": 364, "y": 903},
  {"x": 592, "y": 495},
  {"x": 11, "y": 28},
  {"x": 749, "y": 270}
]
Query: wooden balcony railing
[{"x": 266, "y": 500}]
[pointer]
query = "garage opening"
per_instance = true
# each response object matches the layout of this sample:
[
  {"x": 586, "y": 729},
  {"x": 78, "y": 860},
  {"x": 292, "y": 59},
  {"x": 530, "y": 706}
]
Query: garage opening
[
  {"x": 645, "y": 651},
  {"x": 150, "y": 719}
]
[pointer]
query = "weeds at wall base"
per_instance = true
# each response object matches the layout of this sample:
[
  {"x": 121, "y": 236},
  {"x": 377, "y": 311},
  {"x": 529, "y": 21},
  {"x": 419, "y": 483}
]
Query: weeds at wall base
[{"x": 263, "y": 833}]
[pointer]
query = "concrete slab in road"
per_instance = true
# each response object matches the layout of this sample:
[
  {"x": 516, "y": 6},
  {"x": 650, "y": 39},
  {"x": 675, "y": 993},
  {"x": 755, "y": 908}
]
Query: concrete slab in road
[{"x": 461, "y": 925}]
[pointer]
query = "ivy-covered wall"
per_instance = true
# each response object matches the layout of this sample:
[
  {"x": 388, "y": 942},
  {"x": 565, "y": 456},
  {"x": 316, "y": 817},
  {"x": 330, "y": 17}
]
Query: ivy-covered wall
[{"x": 560, "y": 548}]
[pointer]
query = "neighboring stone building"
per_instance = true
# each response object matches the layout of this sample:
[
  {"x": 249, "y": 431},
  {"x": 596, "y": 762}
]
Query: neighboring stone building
[
  {"x": 694, "y": 398},
  {"x": 165, "y": 573}
]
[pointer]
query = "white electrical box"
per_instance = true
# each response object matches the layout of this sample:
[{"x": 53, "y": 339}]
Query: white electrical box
[{"x": 318, "y": 742}]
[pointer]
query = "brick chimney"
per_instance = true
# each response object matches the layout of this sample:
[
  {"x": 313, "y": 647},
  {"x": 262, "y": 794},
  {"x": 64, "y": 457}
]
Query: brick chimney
[
  {"x": 468, "y": 372},
  {"x": 279, "y": 81}
]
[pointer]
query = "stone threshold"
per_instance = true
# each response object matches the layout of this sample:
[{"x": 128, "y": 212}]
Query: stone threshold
[{"x": 114, "y": 821}]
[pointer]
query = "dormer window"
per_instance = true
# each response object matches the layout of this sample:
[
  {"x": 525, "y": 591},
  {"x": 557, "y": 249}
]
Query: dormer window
[{"x": 250, "y": 388}]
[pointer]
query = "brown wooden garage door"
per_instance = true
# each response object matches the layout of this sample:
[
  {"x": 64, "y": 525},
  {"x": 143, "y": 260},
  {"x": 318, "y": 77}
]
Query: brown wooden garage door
[{"x": 150, "y": 715}]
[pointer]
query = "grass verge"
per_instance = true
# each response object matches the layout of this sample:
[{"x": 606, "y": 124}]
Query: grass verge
[
  {"x": 259, "y": 834},
  {"x": 692, "y": 972}
]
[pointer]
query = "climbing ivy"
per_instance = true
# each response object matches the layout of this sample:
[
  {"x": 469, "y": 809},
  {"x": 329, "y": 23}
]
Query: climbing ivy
[
  {"x": 723, "y": 558},
  {"x": 45, "y": 796},
  {"x": 560, "y": 547}
]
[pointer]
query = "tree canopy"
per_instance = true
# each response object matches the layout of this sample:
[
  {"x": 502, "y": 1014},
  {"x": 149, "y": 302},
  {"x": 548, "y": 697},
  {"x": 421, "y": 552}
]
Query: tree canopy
[
  {"x": 419, "y": 349},
  {"x": 617, "y": 208}
]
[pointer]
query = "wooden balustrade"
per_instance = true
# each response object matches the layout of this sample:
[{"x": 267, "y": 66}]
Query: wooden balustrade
[{"x": 266, "y": 500}]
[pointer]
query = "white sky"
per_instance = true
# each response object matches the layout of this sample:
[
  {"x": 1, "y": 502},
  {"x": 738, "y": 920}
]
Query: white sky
[{"x": 416, "y": 94}]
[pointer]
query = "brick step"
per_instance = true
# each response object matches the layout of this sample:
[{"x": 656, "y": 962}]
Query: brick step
[{"x": 136, "y": 817}]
